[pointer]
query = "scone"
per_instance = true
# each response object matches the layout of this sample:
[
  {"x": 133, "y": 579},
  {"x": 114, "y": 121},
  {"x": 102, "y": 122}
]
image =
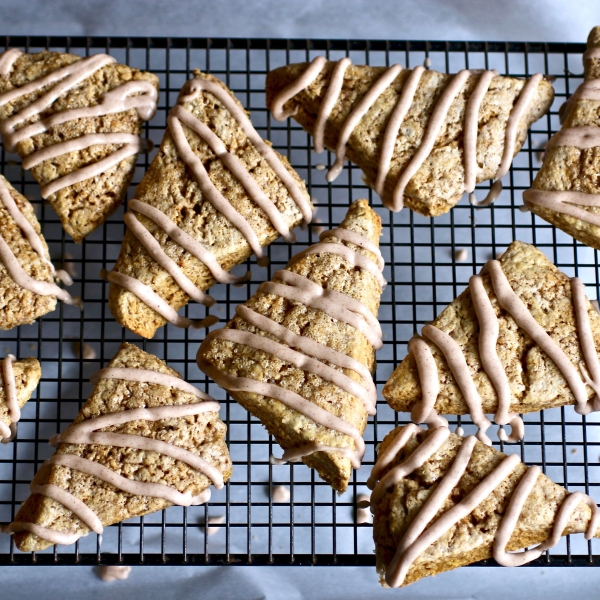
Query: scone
[
  {"x": 421, "y": 138},
  {"x": 215, "y": 193},
  {"x": 145, "y": 440},
  {"x": 27, "y": 288},
  {"x": 521, "y": 338},
  {"x": 299, "y": 354},
  {"x": 566, "y": 190},
  {"x": 75, "y": 122},
  {"x": 18, "y": 380},
  {"x": 441, "y": 502}
]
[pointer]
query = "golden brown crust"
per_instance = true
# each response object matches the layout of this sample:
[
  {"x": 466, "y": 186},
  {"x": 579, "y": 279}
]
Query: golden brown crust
[
  {"x": 83, "y": 206},
  {"x": 470, "y": 540},
  {"x": 19, "y": 306},
  {"x": 28, "y": 373},
  {"x": 169, "y": 185},
  {"x": 566, "y": 168},
  {"x": 439, "y": 184},
  {"x": 290, "y": 428},
  {"x": 202, "y": 434},
  {"x": 535, "y": 381}
]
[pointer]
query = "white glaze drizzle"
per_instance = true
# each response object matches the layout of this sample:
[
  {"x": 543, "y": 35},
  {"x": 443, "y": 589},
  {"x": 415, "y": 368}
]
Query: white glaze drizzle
[
  {"x": 421, "y": 533},
  {"x": 424, "y": 411},
  {"x": 434, "y": 125},
  {"x": 119, "y": 99},
  {"x": 86, "y": 433}
]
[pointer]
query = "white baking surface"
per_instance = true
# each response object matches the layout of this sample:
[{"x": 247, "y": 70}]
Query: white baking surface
[{"x": 535, "y": 20}]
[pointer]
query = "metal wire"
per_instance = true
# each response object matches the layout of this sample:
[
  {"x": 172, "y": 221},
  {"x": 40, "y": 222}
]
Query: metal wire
[{"x": 316, "y": 526}]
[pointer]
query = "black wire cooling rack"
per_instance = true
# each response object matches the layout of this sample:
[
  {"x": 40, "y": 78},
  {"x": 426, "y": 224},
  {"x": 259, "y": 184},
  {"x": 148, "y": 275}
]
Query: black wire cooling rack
[{"x": 316, "y": 526}]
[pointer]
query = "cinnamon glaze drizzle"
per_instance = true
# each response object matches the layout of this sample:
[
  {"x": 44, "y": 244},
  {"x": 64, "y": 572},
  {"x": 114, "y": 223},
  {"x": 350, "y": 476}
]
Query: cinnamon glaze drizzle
[
  {"x": 87, "y": 432},
  {"x": 424, "y": 411},
  {"x": 308, "y": 354},
  {"x": 7, "y": 433},
  {"x": 571, "y": 202},
  {"x": 434, "y": 125},
  {"x": 179, "y": 117},
  {"x": 422, "y": 533},
  {"x": 138, "y": 95},
  {"x": 11, "y": 263}
]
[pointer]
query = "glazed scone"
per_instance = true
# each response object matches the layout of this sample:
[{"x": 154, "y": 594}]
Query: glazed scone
[
  {"x": 182, "y": 190},
  {"x": 301, "y": 384},
  {"x": 380, "y": 118},
  {"x": 534, "y": 381},
  {"x": 35, "y": 295},
  {"x": 193, "y": 430},
  {"x": 77, "y": 119},
  {"x": 25, "y": 375},
  {"x": 566, "y": 189},
  {"x": 397, "y": 502}
]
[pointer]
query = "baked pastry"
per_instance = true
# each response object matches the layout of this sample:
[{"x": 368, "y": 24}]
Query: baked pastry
[
  {"x": 521, "y": 338},
  {"x": 441, "y": 501},
  {"x": 566, "y": 189},
  {"x": 27, "y": 288},
  {"x": 18, "y": 380},
  {"x": 144, "y": 440},
  {"x": 215, "y": 193},
  {"x": 299, "y": 354},
  {"x": 422, "y": 138},
  {"x": 75, "y": 122}
]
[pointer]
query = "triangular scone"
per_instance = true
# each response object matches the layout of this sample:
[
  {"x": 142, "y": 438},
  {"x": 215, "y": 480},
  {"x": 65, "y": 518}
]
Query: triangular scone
[
  {"x": 448, "y": 536},
  {"x": 77, "y": 119},
  {"x": 566, "y": 189},
  {"x": 127, "y": 459},
  {"x": 25, "y": 374},
  {"x": 20, "y": 235},
  {"x": 547, "y": 299},
  {"x": 350, "y": 109},
  {"x": 311, "y": 384},
  {"x": 184, "y": 183}
]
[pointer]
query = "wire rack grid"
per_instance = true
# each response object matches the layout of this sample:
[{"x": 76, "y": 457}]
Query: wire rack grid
[{"x": 316, "y": 526}]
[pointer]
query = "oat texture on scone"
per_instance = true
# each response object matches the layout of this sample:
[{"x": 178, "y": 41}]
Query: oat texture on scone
[
  {"x": 471, "y": 538},
  {"x": 170, "y": 186},
  {"x": 439, "y": 183},
  {"x": 27, "y": 373},
  {"x": 290, "y": 428},
  {"x": 83, "y": 206},
  {"x": 535, "y": 381},
  {"x": 571, "y": 169},
  {"x": 202, "y": 434},
  {"x": 19, "y": 306}
]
